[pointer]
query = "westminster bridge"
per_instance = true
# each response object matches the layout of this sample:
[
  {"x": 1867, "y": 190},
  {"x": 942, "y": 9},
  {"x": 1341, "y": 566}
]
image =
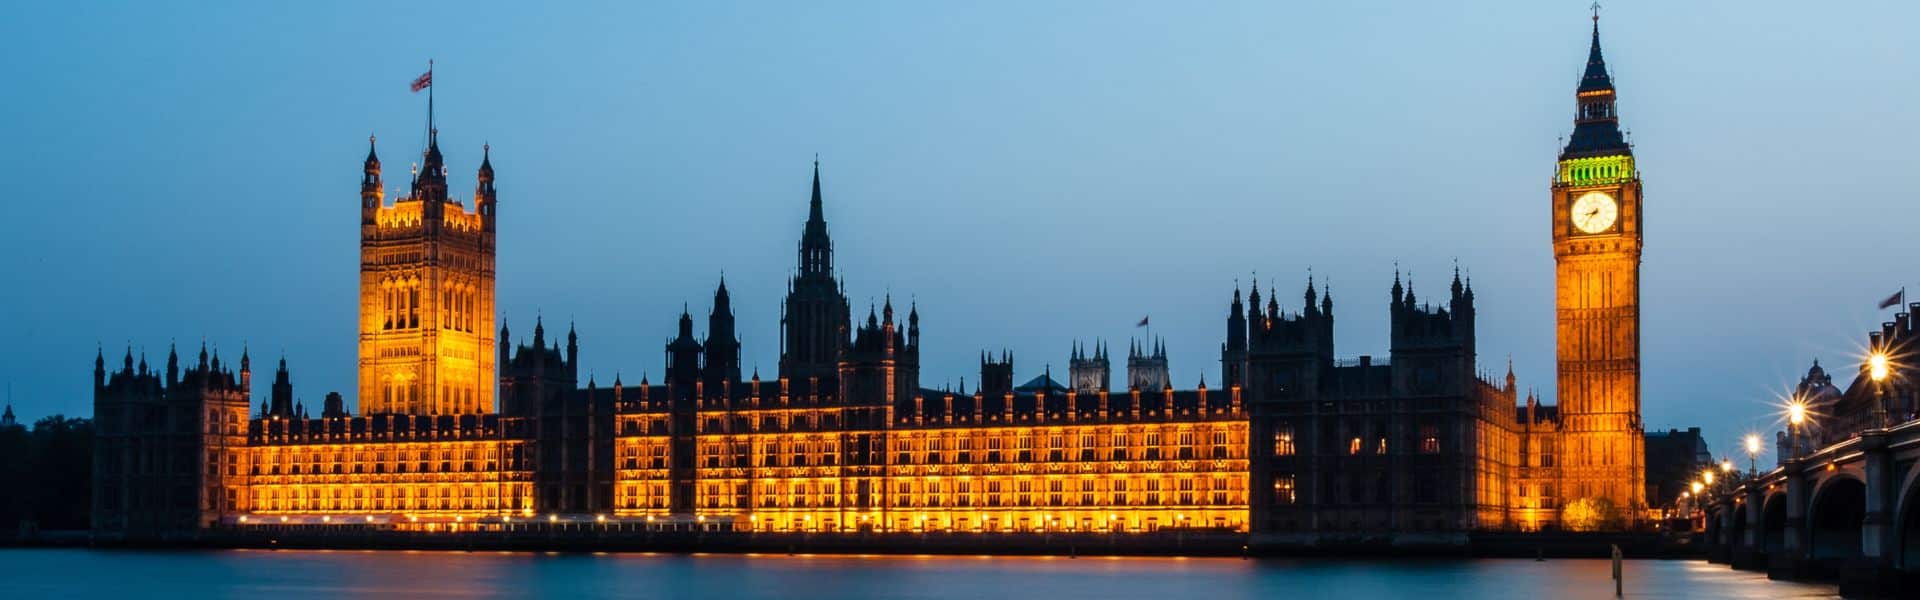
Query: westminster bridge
[{"x": 1849, "y": 510}]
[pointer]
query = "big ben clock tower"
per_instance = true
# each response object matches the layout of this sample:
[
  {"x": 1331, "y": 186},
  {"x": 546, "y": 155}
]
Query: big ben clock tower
[{"x": 1597, "y": 218}]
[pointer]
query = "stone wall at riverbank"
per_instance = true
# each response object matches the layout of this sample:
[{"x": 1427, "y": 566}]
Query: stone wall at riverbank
[{"x": 1173, "y": 543}]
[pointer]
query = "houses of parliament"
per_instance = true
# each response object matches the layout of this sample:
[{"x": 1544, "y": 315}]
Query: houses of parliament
[{"x": 465, "y": 425}]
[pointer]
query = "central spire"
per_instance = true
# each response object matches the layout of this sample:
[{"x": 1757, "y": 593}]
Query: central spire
[
  {"x": 814, "y": 214},
  {"x": 1596, "y": 77},
  {"x": 816, "y": 247}
]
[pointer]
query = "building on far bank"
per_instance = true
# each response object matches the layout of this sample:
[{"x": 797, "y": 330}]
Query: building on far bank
[
  {"x": 1294, "y": 441},
  {"x": 1675, "y": 459}
]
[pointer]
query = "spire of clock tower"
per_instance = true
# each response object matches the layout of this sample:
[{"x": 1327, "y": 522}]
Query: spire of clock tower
[{"x": 1596, "y": 130}]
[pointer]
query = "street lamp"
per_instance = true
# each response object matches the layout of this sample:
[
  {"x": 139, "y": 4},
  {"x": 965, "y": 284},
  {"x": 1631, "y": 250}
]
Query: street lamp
[
  {"x": 1753, "y": 454},
  {"x": 1707, "y": 476},
  {"x": 1877, "y": 370}
]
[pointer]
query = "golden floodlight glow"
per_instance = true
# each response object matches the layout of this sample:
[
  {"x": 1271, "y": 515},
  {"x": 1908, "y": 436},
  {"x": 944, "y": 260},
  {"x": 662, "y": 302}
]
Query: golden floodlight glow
[
  {"x": 1707, "y": 476},
  {"x": 1877, "y": 366}
]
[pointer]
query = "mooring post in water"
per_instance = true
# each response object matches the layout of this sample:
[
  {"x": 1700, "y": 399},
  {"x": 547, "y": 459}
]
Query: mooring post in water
[{"x": 1616, "y": 570}]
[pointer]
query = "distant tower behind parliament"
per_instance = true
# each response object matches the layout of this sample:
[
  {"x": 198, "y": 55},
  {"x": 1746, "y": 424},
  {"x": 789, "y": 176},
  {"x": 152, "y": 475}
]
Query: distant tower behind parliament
[
  {"x": 426, "y": 293},
  {"x": 1596, "y": 250}
]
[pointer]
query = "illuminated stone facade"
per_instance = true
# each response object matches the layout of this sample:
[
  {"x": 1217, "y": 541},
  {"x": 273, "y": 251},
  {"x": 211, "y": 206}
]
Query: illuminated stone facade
[
  {"x": 426, "y": 293},
  {"x": 1596, "y": 247},
  {"x": 1296, "y": 440}
]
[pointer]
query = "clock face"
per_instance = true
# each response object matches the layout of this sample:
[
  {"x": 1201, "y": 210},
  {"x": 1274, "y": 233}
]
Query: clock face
[{"x": 1595, "y": 212}]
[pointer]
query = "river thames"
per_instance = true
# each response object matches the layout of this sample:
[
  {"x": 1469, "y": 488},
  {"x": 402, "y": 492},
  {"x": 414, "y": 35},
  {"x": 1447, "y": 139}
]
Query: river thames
[{"x": 280, "y": 575}]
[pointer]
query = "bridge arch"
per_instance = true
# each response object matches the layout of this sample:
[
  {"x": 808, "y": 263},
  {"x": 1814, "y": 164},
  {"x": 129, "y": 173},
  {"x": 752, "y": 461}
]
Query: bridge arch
[
  {"x": 1836, "y": 515},
  {"x": 1716, "y": 535},
  {"x": 1773, "y": 524},
  {"x": 1907, "y": 525},
  {"x": 1734, "y": 534}
]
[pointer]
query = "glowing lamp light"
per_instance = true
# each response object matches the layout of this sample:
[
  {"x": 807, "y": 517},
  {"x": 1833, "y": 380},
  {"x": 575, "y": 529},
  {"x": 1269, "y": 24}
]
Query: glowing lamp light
[
  {"x": 701, "y": 518},
  {"x": 369, "y": 518},
  {"x": 600, "y": 518},
  {"x": 283, "y": 519},
  {"x": 1796, "y": 412},
  {"x": 1707, "y": 476},
  {"x": 1726, "y": 465},
  {"x": 1697, "y": 487},
  {"x": 1877, "y": 366},
  {"x": 243, "y": 518},
  {"x": 1753, "y": 444},
  {"x": 327, "y": 519},
  {"x": 553, "y": 518}
]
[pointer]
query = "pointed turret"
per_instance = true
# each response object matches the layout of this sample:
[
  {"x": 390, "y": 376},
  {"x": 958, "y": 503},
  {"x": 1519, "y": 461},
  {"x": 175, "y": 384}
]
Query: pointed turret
[
  {"x": 913, "y": 324},
  {"x": 281, "y": 397},
  {"x": 99, "y": 368},
  {"x": 485, "y": 199},
  {"x": 573, "y": 345},
  {"x": 506, "y": 344},
  {"x": 372, "y": 194},
  {"x": 683, "y": 353},
  {"x": 723, "y": 344}
]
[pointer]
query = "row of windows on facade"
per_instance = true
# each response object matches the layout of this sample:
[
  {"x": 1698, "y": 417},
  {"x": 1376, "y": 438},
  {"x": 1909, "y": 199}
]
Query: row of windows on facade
[
  {"x": 934, "y": 451},
  {"x": 400, "y": 306},
  {"x": 422, "y": 461},
  {"x": 1217, "y": 490},
  {"x": 401, "y": 498},
  {"x": 1426, "y": 442},
  {"x": 406, "y": 396}
]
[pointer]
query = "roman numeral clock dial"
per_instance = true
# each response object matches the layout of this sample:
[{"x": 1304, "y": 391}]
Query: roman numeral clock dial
[{"x": 1595, "y": 212}]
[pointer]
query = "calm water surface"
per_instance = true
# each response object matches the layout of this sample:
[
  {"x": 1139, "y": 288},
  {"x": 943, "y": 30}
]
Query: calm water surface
[{"x": 283, "y": 575}]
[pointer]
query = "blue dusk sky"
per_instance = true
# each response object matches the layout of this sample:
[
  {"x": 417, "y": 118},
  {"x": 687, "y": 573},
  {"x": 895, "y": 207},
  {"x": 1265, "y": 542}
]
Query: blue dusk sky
[{"x": 1031, "y": 173}]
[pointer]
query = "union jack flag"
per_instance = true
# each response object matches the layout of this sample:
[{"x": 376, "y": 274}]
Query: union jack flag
[{"x": 424, "y": 81}]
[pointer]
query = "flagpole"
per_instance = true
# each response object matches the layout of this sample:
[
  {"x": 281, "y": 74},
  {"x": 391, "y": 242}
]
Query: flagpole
[{"x": 430, "y": 131}]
